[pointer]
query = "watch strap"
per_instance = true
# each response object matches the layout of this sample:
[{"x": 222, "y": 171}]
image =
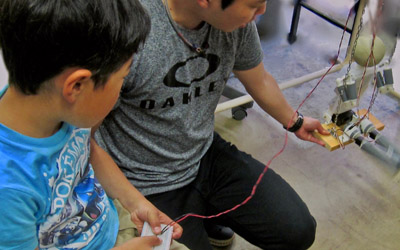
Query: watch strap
[{"x": 297, "y": 125}]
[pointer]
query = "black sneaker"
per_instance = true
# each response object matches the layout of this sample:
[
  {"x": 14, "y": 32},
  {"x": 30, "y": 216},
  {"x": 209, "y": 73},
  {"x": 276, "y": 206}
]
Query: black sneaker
[{"x": 219, "y": 236}]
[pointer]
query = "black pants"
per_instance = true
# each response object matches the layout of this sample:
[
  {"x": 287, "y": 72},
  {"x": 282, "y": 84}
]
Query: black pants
[{"x": 275, "y": 218}]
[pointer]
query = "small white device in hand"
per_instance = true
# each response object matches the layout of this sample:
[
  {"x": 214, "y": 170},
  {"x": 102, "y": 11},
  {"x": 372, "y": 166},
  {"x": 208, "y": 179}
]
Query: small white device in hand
[{"x": 166, "y": 237}]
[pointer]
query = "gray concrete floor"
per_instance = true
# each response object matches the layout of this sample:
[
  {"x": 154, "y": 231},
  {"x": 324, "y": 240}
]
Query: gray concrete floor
[{"x": 353, "y": 196}]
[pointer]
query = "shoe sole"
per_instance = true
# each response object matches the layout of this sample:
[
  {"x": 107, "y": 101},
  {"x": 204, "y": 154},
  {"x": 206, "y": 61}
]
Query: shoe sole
[{"x": 221, "y": 243}]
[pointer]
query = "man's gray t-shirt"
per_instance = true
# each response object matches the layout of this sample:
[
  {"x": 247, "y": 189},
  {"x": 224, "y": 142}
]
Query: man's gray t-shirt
[{"x": 164, "y": 121}]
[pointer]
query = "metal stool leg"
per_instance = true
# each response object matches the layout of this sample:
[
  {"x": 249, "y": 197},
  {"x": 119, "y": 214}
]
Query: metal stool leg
[{"x": 295, "y": 22}]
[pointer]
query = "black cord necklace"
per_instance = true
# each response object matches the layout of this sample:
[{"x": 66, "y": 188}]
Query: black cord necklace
[{"x": 193, "y": 47}]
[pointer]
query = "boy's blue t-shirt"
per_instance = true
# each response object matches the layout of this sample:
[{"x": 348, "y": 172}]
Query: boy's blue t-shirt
[{"x": 49, "y": 195}]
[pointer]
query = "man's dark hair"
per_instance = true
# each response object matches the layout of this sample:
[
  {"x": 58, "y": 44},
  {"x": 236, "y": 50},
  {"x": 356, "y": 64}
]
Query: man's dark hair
[
  {"x": 226, "y": 3},
  {"x": 41, "y": 38}
]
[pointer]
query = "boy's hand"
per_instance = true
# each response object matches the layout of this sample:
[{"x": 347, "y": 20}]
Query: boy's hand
[
  {"x": 145, "y": 211},
  {"x": 142, "y": 243}
]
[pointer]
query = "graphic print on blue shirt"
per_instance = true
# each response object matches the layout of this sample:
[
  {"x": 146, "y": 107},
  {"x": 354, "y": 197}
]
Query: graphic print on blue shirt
[{"x": 79, "y": 204}]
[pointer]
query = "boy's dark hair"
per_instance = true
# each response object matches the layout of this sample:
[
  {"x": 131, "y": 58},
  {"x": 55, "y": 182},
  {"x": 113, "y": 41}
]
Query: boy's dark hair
[
  {"x": 226, "y": 3},
  {"x": 41, "y": 38}
]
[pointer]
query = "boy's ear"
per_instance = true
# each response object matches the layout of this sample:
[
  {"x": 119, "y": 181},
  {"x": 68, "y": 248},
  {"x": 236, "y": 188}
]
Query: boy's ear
[
  {"x": 74, "y": 83},
  {"x": 203, "y": 3}
]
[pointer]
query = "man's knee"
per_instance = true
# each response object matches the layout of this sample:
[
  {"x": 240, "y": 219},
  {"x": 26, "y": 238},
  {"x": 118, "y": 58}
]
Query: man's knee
[{"x": 302, "y": 234}]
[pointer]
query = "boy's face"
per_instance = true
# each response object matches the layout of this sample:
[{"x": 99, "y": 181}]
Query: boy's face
[
  {"x": 237, "y": 15},
  {"x": 98, "y": 102}
]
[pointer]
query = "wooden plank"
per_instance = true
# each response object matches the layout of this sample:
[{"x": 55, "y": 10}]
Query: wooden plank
[{"x": 331, "y": 143}]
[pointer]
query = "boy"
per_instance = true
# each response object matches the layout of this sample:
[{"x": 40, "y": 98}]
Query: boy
[
  {"x": 66, "y": 62},
  {"x": 162, "y": 132}
]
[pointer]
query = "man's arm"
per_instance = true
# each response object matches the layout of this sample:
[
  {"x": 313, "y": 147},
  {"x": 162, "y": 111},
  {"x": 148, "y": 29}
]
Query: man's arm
[
  {"x": 266, "y": 92},
  {"x": 118, "y": 187}
]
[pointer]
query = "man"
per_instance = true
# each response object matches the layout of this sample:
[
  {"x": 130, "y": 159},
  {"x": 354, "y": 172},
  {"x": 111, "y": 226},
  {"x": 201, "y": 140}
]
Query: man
[{"x": 161, "y": 134}]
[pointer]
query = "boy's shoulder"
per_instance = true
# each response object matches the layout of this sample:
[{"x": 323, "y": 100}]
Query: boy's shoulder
[
  {"x": 24, "y": 161},
  {"x": 3, "y": 89},
  {"x": 26, "y": 157}
]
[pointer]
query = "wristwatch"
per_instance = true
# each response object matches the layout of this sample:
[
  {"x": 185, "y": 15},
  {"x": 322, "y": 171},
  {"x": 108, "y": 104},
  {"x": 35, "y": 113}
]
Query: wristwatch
[{"x": 297, "y": 125}]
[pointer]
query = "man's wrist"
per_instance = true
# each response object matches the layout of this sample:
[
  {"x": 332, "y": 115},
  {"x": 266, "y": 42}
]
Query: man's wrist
[{"x": 297, "y": 125}]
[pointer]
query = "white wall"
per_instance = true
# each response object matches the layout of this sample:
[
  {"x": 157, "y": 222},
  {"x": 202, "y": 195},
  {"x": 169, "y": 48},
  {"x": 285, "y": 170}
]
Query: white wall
[{"x": 3, "y": 73}]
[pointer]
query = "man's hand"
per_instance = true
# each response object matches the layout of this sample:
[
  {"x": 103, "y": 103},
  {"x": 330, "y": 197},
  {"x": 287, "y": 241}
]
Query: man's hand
[
  {"x": 142, "y": 243},
  {"x": 309, "y": 126}
]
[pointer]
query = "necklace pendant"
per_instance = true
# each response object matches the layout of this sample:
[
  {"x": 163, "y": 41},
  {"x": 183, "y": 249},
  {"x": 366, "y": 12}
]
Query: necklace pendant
[{"x": 193, "y": 47}]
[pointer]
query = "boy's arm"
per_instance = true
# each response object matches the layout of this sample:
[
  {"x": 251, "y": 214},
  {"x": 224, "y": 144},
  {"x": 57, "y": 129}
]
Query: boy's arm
[
  {"x": 118, "y": 187},
  {"x": 266, "y": 92}
]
